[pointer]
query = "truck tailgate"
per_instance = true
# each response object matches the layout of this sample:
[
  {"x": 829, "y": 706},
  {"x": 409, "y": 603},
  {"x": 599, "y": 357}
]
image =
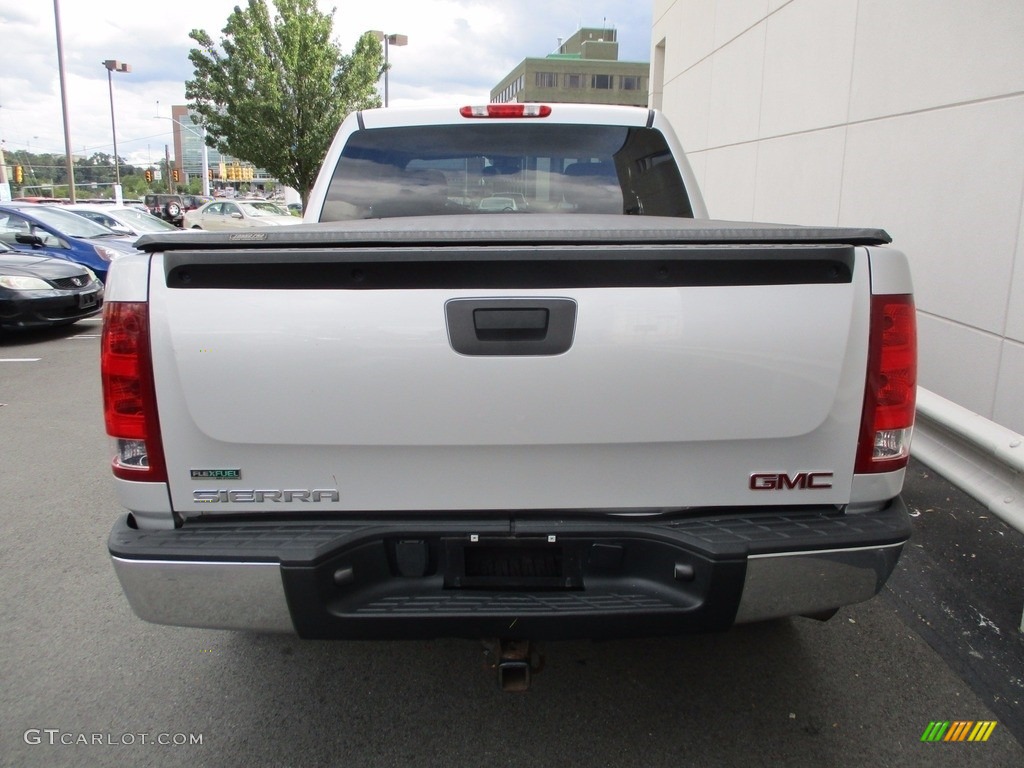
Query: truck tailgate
[{"x": 331, "y": 378}]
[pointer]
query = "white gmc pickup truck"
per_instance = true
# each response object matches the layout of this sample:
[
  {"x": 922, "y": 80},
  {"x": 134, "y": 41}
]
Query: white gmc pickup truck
[{"x": 507, "y": 381}]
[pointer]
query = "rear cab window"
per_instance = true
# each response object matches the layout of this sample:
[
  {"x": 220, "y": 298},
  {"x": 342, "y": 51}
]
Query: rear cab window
[{"x": 505, "y": 168}]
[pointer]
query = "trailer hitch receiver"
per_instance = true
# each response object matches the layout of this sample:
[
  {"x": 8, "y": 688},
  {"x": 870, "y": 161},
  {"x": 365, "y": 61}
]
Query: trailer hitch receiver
[{"x": 515, "y": 661}]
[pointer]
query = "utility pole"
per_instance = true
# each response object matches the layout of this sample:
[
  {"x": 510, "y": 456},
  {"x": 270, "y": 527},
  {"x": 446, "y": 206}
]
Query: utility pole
[
  {"x": 64, "y": 102},
  {"x": 5, "y": 186}
]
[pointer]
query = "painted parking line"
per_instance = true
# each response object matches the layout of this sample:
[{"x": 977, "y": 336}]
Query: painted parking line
[{"x": 20, "y": 359}]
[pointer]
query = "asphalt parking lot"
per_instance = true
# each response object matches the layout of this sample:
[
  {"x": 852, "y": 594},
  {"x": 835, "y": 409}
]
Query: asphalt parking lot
[
  {"x": 87, "y": 683},
  {"x": 960, "y": 586}
]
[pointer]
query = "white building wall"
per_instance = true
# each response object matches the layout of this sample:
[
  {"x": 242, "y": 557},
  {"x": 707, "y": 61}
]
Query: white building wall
[{"x": 903, "y": 115}]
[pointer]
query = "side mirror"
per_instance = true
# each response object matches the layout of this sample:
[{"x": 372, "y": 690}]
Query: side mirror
[
  {"x": 26, "y": 239},
  {"x": 236, "y": 215}
]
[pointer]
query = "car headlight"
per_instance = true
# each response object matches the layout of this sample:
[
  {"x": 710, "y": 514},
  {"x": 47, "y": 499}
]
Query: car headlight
[
  {"x": 107, "y": 254},
  {"x": 23, "y": 283},
  {"x": 92, "y": 275}
]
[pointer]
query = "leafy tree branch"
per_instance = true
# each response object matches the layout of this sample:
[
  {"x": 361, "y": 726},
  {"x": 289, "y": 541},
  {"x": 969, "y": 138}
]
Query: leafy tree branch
[{"x": 275, "y": 89}]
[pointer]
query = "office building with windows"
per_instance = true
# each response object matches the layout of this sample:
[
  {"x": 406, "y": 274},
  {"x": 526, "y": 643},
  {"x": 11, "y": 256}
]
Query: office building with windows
[
  {"x": 188, "y": 145},
  {"x": 586, "y": 68},
  {"x": 188, "y": 153}
]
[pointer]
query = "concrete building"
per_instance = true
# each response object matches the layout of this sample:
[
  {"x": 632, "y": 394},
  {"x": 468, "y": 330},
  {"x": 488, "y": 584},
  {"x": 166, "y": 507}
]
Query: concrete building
[
  {"x": 907, "y": 116},
  {"x": 586, "y": 68}
]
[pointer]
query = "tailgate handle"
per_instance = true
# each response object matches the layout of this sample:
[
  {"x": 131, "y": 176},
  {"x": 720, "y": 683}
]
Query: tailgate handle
[
  {"x": 543, "y": 326},
  {"x": 511, "y": 324}
]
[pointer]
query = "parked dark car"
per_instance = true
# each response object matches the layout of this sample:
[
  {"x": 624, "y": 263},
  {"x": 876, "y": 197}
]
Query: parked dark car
[
  {"x": 168, "y": 207},
  {"x": 37, "y": 291},
  {"x": 50, "y": 231},
  {"x": 194, "y": 201}
]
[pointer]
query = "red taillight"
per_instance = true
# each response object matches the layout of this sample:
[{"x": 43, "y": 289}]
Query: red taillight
[
  {"x": 129, "y": 394},
  {"x": 507, "y": 110},
  {"x": 891, "y": 392}
]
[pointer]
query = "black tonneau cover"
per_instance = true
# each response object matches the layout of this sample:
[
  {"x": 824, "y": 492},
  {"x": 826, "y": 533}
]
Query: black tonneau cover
[{"x": 515, "y": 229}]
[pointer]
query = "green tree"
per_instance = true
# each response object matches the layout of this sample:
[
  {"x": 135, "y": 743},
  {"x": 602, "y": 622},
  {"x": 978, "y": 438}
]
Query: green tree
[{"x": 275, "y": 90}]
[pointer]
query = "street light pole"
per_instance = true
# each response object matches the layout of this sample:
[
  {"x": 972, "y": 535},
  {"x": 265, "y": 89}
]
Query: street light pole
[
  {"x": 112, "y": 66},
  {"x": 388, "y": 40}
]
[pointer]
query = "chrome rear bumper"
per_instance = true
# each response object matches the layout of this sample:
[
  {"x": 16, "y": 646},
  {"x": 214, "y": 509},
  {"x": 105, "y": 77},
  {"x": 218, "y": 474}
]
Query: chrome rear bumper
[{"x": 634, "y": 578}]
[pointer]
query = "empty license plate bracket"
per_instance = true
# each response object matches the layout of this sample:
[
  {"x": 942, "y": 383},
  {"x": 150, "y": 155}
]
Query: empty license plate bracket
[{"x": 521, "y": 564}]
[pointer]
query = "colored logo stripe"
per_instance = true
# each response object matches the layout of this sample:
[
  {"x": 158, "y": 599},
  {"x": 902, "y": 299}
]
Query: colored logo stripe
[
  {"x": 935, "y": 731},
  {"x": 958, "y": 730},
  {"x": 982, "y": 731}
]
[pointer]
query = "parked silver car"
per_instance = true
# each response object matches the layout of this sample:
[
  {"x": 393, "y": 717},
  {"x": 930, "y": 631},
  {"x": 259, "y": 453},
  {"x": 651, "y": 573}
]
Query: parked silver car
[
  {"x": 238, "y": 214},
  {"x": 123, "y": 219}
]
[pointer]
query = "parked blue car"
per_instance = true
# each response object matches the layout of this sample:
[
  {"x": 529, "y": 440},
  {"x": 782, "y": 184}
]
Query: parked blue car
[{"x": 47, "y": 230}]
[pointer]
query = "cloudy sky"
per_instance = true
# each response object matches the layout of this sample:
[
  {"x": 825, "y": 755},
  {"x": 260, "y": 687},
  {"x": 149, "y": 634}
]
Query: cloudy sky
[{"x": 458, "y": 50}]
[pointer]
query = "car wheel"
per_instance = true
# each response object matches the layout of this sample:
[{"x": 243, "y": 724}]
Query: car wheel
[
  {"x": 173, "y": 210},
  {"x": 196, "y": 226}
]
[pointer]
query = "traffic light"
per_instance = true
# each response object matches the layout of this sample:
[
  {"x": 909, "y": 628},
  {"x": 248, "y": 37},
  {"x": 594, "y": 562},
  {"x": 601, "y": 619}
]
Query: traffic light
[
  {"x": 19, "y": 175},
  {"x": 176, "y": 175},
  {"x": 209, "y": 173},
  {"x": 149, "y": 176}
]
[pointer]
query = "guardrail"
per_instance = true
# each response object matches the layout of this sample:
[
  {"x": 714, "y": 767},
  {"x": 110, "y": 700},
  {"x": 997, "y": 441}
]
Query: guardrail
[{"x": 980, "y": 457}]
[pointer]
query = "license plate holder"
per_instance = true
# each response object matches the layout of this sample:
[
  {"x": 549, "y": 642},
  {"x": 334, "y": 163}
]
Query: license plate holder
[{"x": 512, "y": 564}]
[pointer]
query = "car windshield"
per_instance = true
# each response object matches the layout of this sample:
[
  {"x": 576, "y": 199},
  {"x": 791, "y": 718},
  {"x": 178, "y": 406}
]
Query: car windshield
[
  {"x": 67, "y": 223},
  {"x": 509, "y": 168},
  {"x": 145, "y": 222},
  {"x": 261, "y": 209}
]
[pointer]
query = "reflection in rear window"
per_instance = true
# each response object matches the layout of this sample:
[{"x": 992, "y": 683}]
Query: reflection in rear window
[{"x": 505, "y": 168}]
